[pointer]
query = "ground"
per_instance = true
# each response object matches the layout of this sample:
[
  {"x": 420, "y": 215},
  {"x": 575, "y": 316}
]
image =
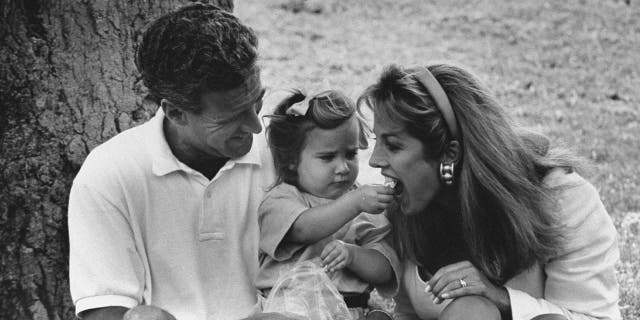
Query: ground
[{"x": 566, "y": 68}]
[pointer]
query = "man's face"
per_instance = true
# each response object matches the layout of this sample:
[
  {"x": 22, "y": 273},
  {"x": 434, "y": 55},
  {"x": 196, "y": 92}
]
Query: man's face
[{"x": 225, "y": 126}]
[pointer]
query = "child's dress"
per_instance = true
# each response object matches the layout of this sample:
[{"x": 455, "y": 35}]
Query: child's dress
[{"x": 279, "y": 210}]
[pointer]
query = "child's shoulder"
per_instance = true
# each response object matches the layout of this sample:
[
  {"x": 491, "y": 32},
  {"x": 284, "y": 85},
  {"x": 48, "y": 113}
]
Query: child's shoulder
[{"x": 283, "y": 189}]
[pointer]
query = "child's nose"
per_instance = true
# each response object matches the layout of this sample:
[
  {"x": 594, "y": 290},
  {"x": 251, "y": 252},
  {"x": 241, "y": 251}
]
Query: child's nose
[{"x": 342, "y": 167}]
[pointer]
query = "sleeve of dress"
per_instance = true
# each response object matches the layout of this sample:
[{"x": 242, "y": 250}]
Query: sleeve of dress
[
  {"x": 580, "y": 281},
  {"x": 105, "y": 268},
  {"x": 403, "y": 309},
  {"x": 277, "y": 213},
  {"x": 373, "y": 232}
]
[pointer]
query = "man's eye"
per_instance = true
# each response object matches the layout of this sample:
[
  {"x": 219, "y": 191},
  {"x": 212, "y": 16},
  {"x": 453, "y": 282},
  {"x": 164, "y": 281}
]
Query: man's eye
[
  {"x": 326, "y": 158},
  {"x": 352, "y": 155}
]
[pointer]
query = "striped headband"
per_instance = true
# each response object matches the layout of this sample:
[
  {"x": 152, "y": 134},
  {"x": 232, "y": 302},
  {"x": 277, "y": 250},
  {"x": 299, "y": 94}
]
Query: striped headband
[{"x": 442, "y": 101}]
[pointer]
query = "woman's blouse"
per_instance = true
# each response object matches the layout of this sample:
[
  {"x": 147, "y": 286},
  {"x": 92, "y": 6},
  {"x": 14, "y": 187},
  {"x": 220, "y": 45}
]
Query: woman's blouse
[
  {"x": 277, "y": 213},
  {"x": 578, "y": 283}
]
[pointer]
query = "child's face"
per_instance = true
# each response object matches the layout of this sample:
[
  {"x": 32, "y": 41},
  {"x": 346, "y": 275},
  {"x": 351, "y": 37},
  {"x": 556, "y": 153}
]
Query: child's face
[{"x": 328, "y": 164}]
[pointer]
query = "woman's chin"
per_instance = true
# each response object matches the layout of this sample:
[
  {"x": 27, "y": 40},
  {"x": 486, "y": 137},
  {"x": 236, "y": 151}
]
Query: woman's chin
[{"x": 405, "y": 207}]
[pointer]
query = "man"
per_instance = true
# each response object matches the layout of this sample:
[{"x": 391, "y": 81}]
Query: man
[{"x": 162, "y": 217}]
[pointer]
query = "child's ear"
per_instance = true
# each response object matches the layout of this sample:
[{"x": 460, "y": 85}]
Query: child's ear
[{"x": 173, "y": 113}]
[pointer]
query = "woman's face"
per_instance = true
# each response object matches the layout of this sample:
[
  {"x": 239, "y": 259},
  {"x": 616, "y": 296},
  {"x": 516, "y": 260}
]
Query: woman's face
[{"x": 400, "y": 157}]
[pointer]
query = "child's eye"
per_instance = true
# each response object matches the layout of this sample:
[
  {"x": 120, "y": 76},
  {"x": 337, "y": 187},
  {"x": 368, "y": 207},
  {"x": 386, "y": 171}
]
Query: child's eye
[
  {"x": 326, "y": 157},
  {"x": 352, "y": 154}
]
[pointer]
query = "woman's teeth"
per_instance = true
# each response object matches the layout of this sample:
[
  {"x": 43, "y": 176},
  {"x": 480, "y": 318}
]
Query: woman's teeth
[
  {"x": 389, "y": 182},
  {"x": 393, "y": 183}
]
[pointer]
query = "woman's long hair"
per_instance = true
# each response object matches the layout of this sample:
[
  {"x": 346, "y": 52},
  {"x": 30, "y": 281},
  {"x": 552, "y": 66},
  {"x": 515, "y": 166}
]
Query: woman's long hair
[{"x": 504, "y": 210}]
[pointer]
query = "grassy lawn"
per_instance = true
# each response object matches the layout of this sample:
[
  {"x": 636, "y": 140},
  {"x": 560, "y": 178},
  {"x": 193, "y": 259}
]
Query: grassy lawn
[{"x": 570, "y": 69}]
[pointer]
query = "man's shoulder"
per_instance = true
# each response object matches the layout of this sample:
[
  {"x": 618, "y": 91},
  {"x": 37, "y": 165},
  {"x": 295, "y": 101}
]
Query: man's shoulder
[{"x": 124, "y": 151}]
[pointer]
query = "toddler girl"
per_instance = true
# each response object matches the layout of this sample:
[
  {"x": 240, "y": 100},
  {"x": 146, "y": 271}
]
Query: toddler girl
[{"x": 314, "y": 211}]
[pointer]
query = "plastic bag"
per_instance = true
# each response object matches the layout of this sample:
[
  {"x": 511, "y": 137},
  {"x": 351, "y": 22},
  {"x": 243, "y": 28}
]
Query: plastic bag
[{"x": 305, "y": 292}]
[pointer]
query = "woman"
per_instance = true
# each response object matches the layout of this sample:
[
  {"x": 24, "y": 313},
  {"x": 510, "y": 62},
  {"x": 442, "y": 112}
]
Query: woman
[{"x": 489, "y": 223}]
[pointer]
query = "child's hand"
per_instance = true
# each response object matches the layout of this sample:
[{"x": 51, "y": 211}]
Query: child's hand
[
  {"x": 336, "y": 255},
  {"x": 372, "y": 198}
]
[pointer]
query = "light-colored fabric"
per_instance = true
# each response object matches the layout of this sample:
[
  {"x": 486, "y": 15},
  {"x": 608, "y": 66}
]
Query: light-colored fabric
[
  {"x": 578, "y": 283},
  {"x": 277, "y": 213},
  {"x": 145, "y": 228}
]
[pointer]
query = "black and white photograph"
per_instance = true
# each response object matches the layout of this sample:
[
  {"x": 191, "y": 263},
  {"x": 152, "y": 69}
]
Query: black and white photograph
[{"x": 319, "y": 160}]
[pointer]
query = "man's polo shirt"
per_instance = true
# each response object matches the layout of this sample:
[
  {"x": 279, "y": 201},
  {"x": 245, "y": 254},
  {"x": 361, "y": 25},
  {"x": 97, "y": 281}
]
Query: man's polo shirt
[{"x": 145, "y": 228}]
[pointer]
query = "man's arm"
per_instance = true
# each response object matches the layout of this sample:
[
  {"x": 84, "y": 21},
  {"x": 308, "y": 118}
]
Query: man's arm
[
  {"x": 107, "y": 313},
  {"x": 122, "y": 313}
]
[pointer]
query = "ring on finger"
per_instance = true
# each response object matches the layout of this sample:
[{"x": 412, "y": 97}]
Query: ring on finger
[{"x": 463, "y": 284}]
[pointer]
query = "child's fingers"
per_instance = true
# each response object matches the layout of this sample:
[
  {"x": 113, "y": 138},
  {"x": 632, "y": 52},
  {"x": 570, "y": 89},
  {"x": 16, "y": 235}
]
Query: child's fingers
[
  {"x": 327, "y": 249},
  {"x": 382, "y": 189},
  {"x": 384, "y": 198},
  {"x": 330, "y": 257},
  {"x": 336, "y": 263}
]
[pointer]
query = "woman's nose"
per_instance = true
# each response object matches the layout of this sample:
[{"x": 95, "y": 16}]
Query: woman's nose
[{"x": 376, "y": 160}]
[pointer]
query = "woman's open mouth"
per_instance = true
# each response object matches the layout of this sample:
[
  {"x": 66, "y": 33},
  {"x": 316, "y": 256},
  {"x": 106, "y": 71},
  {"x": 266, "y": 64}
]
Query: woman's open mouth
[{"x": 394, "y": 183}]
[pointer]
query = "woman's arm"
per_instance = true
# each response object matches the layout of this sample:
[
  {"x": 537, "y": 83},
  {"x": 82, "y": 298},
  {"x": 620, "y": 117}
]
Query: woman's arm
[{"x": 580, "y": 281}]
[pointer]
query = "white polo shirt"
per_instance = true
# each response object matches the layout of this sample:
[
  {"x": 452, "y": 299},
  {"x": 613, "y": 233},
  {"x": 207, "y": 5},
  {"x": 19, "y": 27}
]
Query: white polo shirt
[{"x": 145, "y": 228}]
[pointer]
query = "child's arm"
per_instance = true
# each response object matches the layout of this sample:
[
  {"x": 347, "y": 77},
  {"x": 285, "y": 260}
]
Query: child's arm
[
  {"x": 368, "y": 264},
  {"x": 319, "y": 222}
]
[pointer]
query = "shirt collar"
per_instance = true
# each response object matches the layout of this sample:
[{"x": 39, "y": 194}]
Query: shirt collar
[{"x": 164, "y": 162}]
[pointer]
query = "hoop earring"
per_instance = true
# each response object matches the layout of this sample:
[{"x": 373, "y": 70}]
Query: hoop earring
[{"x": 446, "y": 173}]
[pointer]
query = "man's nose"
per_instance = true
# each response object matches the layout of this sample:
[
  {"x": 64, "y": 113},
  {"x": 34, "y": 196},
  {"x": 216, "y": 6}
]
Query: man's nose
[{"x": 252, "y": 123}]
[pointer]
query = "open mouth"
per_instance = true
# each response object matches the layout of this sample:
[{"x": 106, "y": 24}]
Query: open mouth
[{"x": 394, "y": 183}]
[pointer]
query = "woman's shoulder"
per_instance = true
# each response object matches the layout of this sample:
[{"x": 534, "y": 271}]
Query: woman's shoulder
[
  {"x": 578, "y": 204},
  {"x": 571, "y": 190},
  {"x": 564, "y": 177}
]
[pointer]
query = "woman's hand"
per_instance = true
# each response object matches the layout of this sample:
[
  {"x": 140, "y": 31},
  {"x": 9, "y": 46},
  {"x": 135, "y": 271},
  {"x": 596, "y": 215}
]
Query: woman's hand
[
  {"x": 464, "y": 279},
  {"x": 336, "y": 255}
]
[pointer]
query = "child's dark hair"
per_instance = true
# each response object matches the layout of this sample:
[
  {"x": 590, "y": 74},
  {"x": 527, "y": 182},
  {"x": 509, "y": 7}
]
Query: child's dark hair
[{"x": 287, "y": 133}]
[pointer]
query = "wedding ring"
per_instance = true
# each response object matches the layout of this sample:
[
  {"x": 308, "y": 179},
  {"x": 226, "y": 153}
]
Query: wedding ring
[{"x": 463, "y": 284}]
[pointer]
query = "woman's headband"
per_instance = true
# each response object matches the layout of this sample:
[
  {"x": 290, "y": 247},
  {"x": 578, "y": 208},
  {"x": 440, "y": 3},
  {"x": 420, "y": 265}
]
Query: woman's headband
[{"x": 442, "y": 101}]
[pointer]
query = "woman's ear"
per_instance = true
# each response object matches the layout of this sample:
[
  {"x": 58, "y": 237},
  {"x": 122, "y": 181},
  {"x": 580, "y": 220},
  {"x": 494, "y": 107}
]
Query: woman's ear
[
  {"x": 452, "y": 153},
  {"x": 173, "y": 113}
]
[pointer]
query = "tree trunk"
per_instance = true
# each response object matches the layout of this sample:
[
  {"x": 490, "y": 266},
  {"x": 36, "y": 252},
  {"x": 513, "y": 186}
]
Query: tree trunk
[{"x": 67, "y": 83}]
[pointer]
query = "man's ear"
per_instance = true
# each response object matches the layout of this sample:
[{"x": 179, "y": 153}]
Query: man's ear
[
  {"x": 453, "y": 152},
  {"x": 173, "y": 113}
]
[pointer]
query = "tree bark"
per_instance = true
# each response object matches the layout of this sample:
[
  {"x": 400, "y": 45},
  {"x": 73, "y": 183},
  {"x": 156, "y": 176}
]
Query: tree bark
[{"x": 68, "y": 82}]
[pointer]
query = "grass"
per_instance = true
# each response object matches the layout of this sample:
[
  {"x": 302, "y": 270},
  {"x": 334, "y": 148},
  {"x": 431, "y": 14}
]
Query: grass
[{"x": 567, "y": 68}]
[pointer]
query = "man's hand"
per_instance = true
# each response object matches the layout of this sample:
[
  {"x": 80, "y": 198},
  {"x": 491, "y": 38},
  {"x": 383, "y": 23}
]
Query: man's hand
[{"x": 147, "y": 313}]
